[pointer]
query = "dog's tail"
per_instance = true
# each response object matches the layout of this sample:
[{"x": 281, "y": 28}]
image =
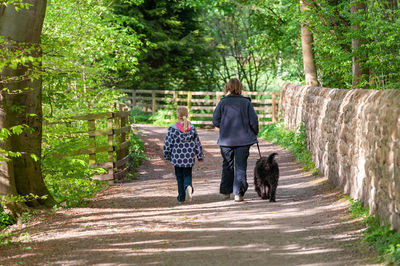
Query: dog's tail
[{"x": 271, "y": 157}]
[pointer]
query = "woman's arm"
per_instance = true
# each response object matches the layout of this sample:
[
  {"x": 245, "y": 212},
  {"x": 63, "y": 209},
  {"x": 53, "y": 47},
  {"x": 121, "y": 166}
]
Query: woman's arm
[
  {"x": 217, "y": 116},
  {"x": 253, "y": 118}
]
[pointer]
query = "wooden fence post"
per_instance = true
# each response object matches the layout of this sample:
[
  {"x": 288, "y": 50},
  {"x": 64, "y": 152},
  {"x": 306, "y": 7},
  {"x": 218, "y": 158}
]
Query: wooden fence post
[
  {"x": 110, "y": 139},
  {"x": 189, "y": 102},
  {"x": 92, "y": 142},
  {"x": 121, "y": 153},
  {"x": 122, "y": 143},
  {"x": 274, "y": 107},
  {"x": 153, "y": 102},
  {"x": 133, "y": 99},
  {"x": 175, "y": 96}
]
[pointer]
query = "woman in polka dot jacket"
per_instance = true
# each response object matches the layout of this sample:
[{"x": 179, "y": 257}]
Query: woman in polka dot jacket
[{"x": 181, "y": 146}]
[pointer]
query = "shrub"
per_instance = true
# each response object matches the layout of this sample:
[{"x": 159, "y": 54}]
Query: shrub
[
  {"x": 5, "y": 219},
  {"x": 70, "y": 180}
]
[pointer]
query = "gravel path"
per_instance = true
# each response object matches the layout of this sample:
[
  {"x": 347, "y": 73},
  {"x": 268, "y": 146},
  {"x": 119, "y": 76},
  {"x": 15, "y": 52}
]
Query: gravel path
[{"x": 140, "y": 222}]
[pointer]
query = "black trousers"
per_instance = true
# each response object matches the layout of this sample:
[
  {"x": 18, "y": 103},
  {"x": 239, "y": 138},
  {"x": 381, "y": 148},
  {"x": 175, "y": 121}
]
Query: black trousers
[{"x": 234, "y": 167}]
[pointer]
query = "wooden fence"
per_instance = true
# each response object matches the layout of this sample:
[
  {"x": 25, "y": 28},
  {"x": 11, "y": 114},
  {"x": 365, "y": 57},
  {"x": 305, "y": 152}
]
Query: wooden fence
[
  {"x": 201, "y": 104},
  {"x": 118, "y": 128}
]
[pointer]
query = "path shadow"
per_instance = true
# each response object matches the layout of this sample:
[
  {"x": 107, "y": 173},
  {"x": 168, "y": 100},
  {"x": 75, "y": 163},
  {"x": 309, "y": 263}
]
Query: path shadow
[{"x": 141, "y": 223}]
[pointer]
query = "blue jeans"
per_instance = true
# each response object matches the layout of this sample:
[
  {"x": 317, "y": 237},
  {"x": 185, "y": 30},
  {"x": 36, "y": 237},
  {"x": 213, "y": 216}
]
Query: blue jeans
[
  {"x": 184, "y": 179},
  {"x": 234, "y": 167}
]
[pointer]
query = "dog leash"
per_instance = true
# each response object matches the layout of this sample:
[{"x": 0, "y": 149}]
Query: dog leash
[{"x": 258, "y": 146}]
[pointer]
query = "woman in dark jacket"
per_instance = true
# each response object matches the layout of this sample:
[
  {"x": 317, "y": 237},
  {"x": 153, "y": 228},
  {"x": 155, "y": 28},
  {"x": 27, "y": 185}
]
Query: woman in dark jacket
[{"x": 238, "y": 128}]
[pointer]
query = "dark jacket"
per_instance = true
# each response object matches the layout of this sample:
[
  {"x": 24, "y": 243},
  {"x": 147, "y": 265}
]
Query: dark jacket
[
  {"x": 181, "y": 148},
  {"x": 237, "y": 121}
]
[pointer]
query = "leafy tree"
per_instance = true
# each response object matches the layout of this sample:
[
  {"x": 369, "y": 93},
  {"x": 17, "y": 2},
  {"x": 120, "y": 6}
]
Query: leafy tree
[
  {"x": 380, "y": 28},
  {"x": 177, "y": 52},
  {"x": 87, "y": 52},
  {"x": 356, "y": 35},
  {"x": 20, "y": 103},
  {"x": 236, "y": 43},
  {"x": 257, "y": 41},
  {"x": 308, "y": 54},
  {"x": 355, "y": 43},
  {"x": 360, "y": 71}
]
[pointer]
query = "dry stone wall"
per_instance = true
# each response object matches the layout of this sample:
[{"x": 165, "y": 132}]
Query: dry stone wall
[{"x": 354, "y": 136}]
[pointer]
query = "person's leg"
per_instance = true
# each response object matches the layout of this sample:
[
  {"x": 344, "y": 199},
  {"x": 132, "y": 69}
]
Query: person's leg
[
  {"x": 226, "y": 186},
  {"x": 240, "y": 184},
  {"x": 180, "y": 179},
  {"x": 187, "y": 183}
]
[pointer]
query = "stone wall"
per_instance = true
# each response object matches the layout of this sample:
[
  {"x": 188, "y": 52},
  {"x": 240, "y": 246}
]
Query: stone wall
[{"x": 354, "y": 137}]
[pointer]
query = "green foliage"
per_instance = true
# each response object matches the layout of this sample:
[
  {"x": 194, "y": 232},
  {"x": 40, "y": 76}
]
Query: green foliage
[
  {"x": 137, "y": 149},
  {"x": 73, "y": 191},
  {"x": 19, "y": 198},
  {"x": 251, "y": 38},
  {"x": 138, "y": 116},
  {"x": 176, "y": 47},
  {"x": 273, "y": 29},
  {"x": 330, "y": 22},
  {"x": 164, "y": 117},
  {"x": 87, "y": 51},
  {"x": 64, "y": 138},
  {"x": 18, "y": 4},
  {"x": 257, "y": 41},
  {"x": 6, "y": 155},
  {"x": 18, "y": 55},
  {"x": 295, "y": 142},
  {"x": 5, "y": 221},
  {"x": 381, "y": 237},
  {"x": 332, "y": 25},
  {"x": 381, "y": 29},
  {"x": 27, "y": 217},
  {"x": 70, "y": 179},
  {"x": 4, "y": 241}
]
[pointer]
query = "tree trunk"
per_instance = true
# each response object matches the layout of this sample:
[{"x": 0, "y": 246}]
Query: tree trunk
[
  {"x": 21, "y": 102},
  {"x": 308, "y": 55},
  {"x": 360, "y": 72},
  {"x": 7, "y": 181}
]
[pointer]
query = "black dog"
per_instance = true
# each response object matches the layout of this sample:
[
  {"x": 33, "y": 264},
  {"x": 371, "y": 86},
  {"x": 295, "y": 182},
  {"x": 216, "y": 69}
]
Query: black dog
[{"x": 266, "y": 174}]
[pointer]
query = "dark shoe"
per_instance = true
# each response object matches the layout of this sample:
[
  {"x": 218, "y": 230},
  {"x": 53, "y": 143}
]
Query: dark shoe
[{"x": 226, "y": 196}]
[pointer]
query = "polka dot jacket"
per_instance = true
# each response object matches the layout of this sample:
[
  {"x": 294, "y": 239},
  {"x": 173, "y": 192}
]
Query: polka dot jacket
[{"x": 180, "y": 148}]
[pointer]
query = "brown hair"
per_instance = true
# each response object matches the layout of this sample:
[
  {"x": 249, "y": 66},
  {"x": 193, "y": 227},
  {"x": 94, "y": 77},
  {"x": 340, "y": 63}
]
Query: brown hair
[
  {"x": 182, "y": 113},
  {"x": 234, "y": 86}
]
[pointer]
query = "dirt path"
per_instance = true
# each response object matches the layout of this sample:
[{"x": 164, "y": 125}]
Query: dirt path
[{"x": 140, "y": 222}]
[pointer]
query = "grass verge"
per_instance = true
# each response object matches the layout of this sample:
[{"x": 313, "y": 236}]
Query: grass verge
[
  {"x": 381, "y": 237},
  {"x": 295, "y": 142}
]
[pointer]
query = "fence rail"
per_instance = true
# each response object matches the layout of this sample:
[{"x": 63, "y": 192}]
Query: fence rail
[
  {"x": 201, "y": 104},
  {"x": 118, "y": 129}
]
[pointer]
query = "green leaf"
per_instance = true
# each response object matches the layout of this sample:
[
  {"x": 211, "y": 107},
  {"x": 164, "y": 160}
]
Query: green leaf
[{"x": 35, "y": 157}]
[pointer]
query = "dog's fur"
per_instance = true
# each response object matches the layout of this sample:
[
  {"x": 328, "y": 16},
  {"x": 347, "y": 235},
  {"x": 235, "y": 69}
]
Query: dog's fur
[{"x": 266, "y": 174}]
